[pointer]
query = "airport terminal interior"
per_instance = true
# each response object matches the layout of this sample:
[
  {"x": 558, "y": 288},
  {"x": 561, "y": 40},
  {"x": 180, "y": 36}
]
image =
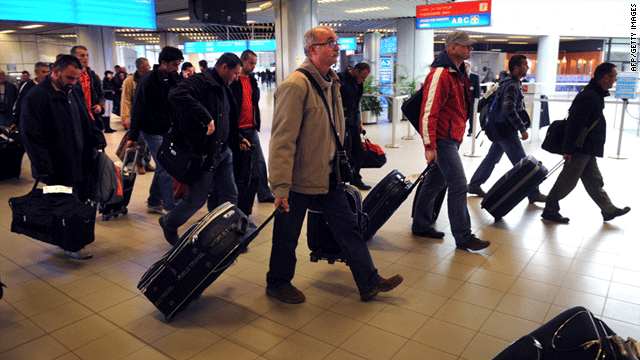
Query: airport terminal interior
[{"x": 453, "y": 304}]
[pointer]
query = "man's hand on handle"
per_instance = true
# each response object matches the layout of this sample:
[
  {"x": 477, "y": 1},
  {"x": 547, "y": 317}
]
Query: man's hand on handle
[
  {"x": 282, "y": 201},
  {"x": 431, "y": 155}
]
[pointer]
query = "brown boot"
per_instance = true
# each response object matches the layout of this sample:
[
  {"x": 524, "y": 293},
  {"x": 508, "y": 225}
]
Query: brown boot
[
  {"x": 383, "y": 285},
  {"x": 140, "y": 169},
  {"x": 288, "y": 294}
]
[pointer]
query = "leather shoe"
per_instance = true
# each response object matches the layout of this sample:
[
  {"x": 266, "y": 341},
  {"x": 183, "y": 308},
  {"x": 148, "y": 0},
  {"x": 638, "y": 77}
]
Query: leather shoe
[
  {"x": 170, "y": 235},
  {"x": 555, "y": 217},
  {"x": 476, "y": 191},
  {"x": 81, "y": 254},
  {"x": 430, "y": 233},
  {"x": 149, "y": 167},
  {"x": 288, "y": 294},
  {"x": 383, "y": 285},
  {"x": 473, "y": 244},
  {"x": 140, "y": 169},
  {"x": 360, "y": 185},
  {"x": 616, "y": 213},
  {"x": 540, "y": 198}
]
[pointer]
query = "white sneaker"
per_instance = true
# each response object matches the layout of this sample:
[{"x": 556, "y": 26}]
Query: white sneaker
[{"x": 81, "y": 254}]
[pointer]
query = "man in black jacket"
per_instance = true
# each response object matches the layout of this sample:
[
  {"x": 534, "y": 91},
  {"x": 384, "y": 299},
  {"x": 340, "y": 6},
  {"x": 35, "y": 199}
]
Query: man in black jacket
[
  {"x": 59, "y": 136},
  {"x": 151, "y": 116},
  {"x": 351, "y": 91},
  {"x": 474, "y": 90},
  {"x": 8, "y": 96},
  {"x": 206, "y": 124},
  {"x": 585, "y": 134},
  {"x": 41, "y": 71},
  {"x": 247, "y": 96}
]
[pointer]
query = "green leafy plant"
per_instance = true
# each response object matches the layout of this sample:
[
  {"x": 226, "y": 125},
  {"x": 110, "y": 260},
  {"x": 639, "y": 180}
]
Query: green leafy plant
[{"x": 371, "y": 103}]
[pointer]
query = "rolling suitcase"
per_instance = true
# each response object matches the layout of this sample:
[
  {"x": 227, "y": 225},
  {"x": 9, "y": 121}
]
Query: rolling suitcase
[
  {"x": 515, "y": 185},
  {"x": 385, "y": 198},
  {"x": 204, "y": 252},
  {"x": 128, "y": 179},
  {"x": 321, "y": 241}
]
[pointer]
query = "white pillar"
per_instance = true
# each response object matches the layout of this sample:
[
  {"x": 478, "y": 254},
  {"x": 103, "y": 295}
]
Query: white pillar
[
  {"x": 423, "y": 54},
  {"x": 293, "y": 19},
  {"x": 371, "y": 53},
  {"x": 91, "y": 38},
  {"x": 109, "y": 46},
  {"x": 168, "y": 39},
  {"x": 546, "y": 71}
]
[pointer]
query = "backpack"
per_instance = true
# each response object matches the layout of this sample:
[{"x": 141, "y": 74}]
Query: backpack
[
  {"x": 108, "y": 183},
  {"x": 484, "y": 104}
]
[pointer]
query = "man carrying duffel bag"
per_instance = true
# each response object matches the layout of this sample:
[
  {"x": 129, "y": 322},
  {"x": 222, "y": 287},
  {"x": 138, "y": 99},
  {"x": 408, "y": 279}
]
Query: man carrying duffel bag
[{"x": 61, "y": 140}]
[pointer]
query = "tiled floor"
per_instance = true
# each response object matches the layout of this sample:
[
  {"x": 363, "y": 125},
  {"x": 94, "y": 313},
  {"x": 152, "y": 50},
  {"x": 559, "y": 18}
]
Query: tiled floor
[{"x": 452, "y": 304}]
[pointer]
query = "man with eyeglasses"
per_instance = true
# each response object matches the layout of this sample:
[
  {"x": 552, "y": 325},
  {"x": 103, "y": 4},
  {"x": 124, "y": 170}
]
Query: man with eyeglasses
[
  {"x": 585, "y": 134},
  {"x": 442, "y": 126},
  {"x": 151, "y": 115},
  {"x": 302, "y": 168}
]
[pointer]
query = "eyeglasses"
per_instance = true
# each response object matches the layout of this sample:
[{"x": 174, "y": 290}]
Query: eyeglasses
[{"x": 331, "y": 44}]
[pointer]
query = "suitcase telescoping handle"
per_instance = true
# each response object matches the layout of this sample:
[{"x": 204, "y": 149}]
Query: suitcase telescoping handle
[
  {"x": 257, "y": 231},
  {"x": 421, "y": 177},
  {"x": 555, "y": 168}
]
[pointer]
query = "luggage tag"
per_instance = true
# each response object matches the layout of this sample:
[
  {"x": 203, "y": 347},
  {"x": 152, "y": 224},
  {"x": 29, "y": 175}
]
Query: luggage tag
[{"x": 57, "y": 189}]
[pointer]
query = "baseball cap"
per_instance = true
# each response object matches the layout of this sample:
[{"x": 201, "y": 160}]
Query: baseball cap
[{"x": 458, "y": 37}]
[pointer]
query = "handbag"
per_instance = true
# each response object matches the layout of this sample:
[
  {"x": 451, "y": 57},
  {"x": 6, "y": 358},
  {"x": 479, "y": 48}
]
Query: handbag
[
  {"x": 181, "y": 164},
  {"x": 55, "y": 218},
  {"x": 345, "y": 170},
  {"x": 411, "y": 108},
  {"x": 374, "y": 156},
  {"x": 555, "y": 136}
]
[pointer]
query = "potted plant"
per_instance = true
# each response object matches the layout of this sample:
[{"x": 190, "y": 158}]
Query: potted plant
[{"x": 370, "y": 106}]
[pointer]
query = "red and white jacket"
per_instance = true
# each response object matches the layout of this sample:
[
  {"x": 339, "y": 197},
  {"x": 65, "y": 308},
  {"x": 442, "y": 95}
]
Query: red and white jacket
[{"x": 444, "y": 103}]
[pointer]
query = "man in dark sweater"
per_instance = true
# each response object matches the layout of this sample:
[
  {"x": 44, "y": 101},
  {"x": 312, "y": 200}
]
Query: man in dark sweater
[
  {"x": 585, "y": 134},
  {"x": 351, "y": 90},
  {"x": 151, "y": 115}
]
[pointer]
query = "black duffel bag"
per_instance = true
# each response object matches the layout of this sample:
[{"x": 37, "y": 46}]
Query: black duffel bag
[
  {"x": 56, "y": 218},
  {"x": 182, "y": 164},
  {"x": 555, "y": 136}
]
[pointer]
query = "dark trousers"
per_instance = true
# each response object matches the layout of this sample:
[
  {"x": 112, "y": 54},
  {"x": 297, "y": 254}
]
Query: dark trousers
[
  {"x": 343, "y": 224},
  {"x": 355, "y": 150}
]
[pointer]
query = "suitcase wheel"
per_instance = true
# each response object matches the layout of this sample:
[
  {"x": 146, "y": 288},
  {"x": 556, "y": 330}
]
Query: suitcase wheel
[
  {"x": 169, "y": 318},
  {"x": 331, "y": 261},
  {"x": 125, "y": 211},
  {"x": 314, "y": 258}
]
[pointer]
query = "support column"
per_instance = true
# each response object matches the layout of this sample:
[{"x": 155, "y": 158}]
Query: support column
[
  {"x": 371, "y": 52},
  {"x": 91, "y": 38},
  {"x": 293, "y": 19},
  {"x": 168, "y": 39},
  {"x": 109, "y": 46},
  {"x": 415, "y": 50},
  {"x": 546, "y": 71}
]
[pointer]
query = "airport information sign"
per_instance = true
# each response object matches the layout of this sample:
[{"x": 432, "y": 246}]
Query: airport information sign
[
  {"x": 234, "y": 46},
  {"x": 389, "y": 45},
  {"x": 453, "y": 15},
  {"x": 626, "y": 85},
  {"x": 347, "y": 43}
]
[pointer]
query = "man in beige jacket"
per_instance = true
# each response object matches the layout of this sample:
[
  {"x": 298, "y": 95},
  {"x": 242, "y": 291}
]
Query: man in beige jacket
[
  {"x": 302, "y": 170},
  {"x": 128, "y": 90}
]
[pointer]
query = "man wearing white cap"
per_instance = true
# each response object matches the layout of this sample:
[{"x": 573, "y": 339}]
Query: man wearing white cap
[{"x": 443, "y": 120}]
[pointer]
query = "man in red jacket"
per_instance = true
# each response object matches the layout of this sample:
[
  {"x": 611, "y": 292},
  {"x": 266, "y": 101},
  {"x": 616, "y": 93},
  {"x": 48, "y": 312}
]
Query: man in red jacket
[{"x": 443, "y": 120}]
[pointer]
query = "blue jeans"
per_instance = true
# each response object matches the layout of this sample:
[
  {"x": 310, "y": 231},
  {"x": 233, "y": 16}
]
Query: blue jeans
[
  {"x": 258, "y": 163},
  {"x": 221, "y": 177},
  {"x": 515, "y": 152},
  {"x": 161, "y": 190},
  {"x": 448, "y": 171},
  {"x": 343, "y": 225}
]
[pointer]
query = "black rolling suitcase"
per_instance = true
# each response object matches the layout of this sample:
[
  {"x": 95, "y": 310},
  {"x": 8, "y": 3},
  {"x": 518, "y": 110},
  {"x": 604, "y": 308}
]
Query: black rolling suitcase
[
  {"x": 385, "y": 198},
  {"x": 514, "y": 186},
  {"x": 11, "y": 153},
  {"x": 575, "y": 334},
  {"x": 128, "y": 179},
  {"x": 204, "y": 252},
  {"x": 321, "y": 241},
  {"x": 55, "y": 218}
]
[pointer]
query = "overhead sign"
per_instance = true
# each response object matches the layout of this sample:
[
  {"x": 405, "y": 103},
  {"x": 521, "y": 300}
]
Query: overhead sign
[
  {"x": 389, "y": 45},
  {"x": 262, "y": 45},
  {"x": 626, "y": 85},
  {"x": 348, "y": 43},
  {"x": 234, "y": 46},
  {"x": 459, "y": 14}
]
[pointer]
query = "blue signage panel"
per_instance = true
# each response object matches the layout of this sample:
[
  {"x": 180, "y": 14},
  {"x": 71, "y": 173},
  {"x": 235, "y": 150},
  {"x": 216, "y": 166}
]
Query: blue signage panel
[
  {"x": 347, "y": 43},
  {"x": 454, "y": 21},
  {"x": 626, "y": 85},
  {"x": 389, "y": 45},
  {"x": 121, "y": 13},
  {"x": 262, "y": 45}
]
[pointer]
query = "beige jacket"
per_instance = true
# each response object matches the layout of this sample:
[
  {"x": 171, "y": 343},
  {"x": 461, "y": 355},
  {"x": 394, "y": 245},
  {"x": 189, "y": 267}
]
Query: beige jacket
[
  {"x": 128, "y": 90},
  {"x": 302, "y": 146}
]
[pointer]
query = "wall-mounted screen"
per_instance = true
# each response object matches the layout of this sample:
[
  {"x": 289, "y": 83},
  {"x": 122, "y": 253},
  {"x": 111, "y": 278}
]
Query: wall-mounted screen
[
  {"x": 262, "y": 45},
  {"x": 348, "y": 43},
  {"x": 389, "y": 45},
  {"x": 453, "y": 15},
  {"x": 120, "y": 13}
]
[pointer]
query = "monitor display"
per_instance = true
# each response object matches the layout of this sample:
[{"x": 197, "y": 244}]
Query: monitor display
[
  {"x": 262, "y": 45},
  {"x": 118, "y": 13},
  {"x": 389, "y": 45},
  {"x": 348, "y": 43}
]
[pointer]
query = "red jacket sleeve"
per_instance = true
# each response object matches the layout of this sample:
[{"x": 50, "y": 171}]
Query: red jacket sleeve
[{"x": 435, "y": 94}]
